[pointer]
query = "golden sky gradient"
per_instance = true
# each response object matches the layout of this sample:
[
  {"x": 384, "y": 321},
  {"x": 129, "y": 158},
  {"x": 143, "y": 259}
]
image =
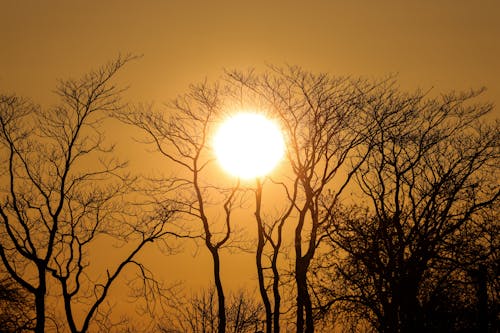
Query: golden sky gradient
[{"x": 445, "y": 44}]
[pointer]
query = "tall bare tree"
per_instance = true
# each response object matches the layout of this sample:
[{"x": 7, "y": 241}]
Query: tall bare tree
[
  {"x": 324, "y": 121},
  {"x": 183, "y": 136},
  {"x": 271, "y": 234},
  {"x": 431, "y": 182},
  {"x": 63, "y": 188}
]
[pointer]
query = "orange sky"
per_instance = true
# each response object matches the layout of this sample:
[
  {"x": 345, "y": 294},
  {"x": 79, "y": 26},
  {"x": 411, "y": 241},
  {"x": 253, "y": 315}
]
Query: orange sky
[{"x": 445, "y": 44}]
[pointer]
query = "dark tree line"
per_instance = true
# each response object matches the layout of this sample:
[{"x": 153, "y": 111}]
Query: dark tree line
[
  {"x": 385, "y": 217},
  {"x": 420, "y": 253}
]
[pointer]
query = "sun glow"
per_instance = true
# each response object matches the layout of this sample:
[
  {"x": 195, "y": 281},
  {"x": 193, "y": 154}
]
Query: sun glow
[{"x": 248, "y": 145}]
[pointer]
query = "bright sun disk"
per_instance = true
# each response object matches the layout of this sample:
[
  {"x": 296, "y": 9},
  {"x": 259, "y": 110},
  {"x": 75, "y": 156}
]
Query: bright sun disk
[{"x": 248, "y": 145}]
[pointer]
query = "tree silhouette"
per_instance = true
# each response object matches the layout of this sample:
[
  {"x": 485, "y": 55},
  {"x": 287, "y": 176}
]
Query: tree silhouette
[
  {"x": 198, "y": 313},
  {"x": 323, "y": 118},
  {"x": 417, "y": 251},
  {"x": 183, "y": 137},
  {"x": 62, "y": 189},
  {"x": 387, "y": 201}
]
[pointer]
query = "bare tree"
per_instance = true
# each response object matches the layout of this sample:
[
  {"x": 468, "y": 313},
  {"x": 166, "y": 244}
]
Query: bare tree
[
  {"x": 183, "y": 137},
  {"x": 62, "y": 189},
  {"x": 198, "y": 313},
  {"x": 431, "y": 181},
  {"x": 270, "y": 233},
  {"x": 323, "y": 119}
]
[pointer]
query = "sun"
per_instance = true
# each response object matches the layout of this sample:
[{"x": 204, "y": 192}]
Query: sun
[{"x": 248, "y": 145}]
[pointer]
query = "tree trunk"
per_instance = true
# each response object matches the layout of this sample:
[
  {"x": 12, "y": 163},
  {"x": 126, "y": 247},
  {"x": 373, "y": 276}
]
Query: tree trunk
[
  {"x": 402, "y": 313},
  {"x": 263, "y": 292},
  {"x": 220, "y": 292},
  {"x": 68, "y": 310},
  {"x": 479, "y": 277},
  {"x": 258, "y": 259},
  {"x": 40, "y": 301},
  {"x": 276, "y": 293},
  {"x": 308, "y": 310},
  {"x": 304, "y": 306},
  {"x": 391, "y": 318}
]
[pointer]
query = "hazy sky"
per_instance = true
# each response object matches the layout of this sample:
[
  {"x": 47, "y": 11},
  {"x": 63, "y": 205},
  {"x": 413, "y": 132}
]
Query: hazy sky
[{"x": 443, "y": 44}]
